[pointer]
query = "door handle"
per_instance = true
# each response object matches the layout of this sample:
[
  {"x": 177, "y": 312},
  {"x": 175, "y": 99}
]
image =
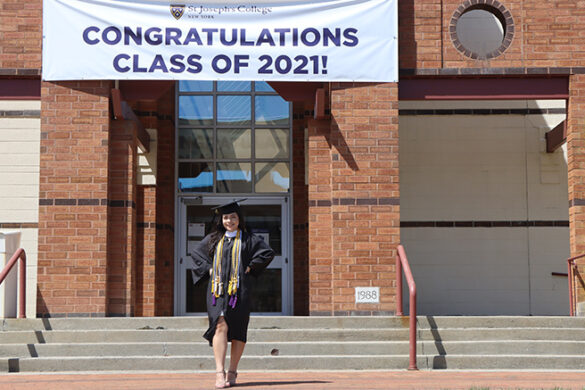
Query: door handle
[{"x": 286, "y": 260}]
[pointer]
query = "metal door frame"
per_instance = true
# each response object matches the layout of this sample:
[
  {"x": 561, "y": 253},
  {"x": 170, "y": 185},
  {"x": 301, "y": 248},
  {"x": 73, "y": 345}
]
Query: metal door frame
[{"x": 286, "y": 257}]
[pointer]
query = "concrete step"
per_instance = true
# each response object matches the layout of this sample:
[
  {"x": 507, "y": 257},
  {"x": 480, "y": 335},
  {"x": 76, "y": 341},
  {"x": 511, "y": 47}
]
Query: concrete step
[
  {"x": 282, "y": 335},
  {"x": 294, "y": 343},
  {"x": 202, "y": 348},
  {"x": 259, "y": 322},
  {"x": 161, "y": 349},
  {"x": 206, "y": 362},
  {"x": 504, "y": 362},
  {"x": 444, "y": 322},
  {"x": 191, "y": 335},
  {"x": 283, "y": 363},
  {"x": 484, "y": 334}
]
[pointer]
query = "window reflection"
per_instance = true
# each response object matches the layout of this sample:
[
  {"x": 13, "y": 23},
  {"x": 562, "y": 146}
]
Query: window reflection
[
  {"x": 267, "y": 292},
  {"x": 196, "y": 143},
  {"x": 263, "y": 86},
  {"x": 234, "y": 110},
  {"x": 195, "y": 86},
  {"x": 234, "y": 177},
  {"x": 234, "y": 86},
  {"x": 271, "y": 143},
  {"x": 272, "y": 177},
  {"x": 196, "y": 110},
  {"x": 271, "y": 110},
  {"x": 234, "y": 143},
  {"x": 229, "y": 143},
  {"x": 195, "y": 177}
]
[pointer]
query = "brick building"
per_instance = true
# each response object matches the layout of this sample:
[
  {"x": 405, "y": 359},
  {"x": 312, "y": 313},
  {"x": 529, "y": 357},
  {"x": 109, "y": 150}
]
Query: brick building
[{"x": 473, "y": 161}]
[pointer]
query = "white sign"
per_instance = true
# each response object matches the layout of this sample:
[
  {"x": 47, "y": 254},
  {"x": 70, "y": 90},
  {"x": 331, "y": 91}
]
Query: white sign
[
  {"x": 367, "y": 295},
  {"x": 322, "y": 40},
  {"x": 196, "y": 229}
]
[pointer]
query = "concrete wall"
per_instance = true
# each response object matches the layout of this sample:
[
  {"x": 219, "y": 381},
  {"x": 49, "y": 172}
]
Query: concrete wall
[
  {"x": 19, "y": 182},
  {"x": 484, "y": 210}
]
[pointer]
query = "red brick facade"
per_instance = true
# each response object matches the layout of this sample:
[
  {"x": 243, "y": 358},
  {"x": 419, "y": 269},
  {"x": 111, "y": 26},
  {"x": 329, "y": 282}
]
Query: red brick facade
[
  {"x": 354, "y": 223},
  {"x": 73, "y": 198},
  {"x": 106, "y": 245}
]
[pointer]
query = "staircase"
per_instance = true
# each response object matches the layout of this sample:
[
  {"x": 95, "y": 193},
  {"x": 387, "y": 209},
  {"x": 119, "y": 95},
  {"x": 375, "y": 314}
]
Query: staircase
[{"x": 293, "y": 343}]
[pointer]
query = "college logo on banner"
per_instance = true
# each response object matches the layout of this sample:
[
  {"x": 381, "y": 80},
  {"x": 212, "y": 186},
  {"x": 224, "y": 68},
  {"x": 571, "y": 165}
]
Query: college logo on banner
[{"x": 177, "y": 10}]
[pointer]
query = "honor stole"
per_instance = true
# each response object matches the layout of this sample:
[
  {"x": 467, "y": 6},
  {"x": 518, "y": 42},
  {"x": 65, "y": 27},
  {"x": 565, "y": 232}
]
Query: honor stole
[{"x": 234, "y": 282}]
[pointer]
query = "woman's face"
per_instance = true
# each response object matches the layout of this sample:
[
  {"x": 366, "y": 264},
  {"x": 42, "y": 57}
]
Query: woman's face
[{"x": 230, "y": 221}]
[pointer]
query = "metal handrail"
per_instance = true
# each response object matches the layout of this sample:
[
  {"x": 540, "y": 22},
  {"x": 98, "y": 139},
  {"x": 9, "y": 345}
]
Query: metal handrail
[
  {"x": 19, "y": 254},
  {"x": 402, "y": 262},
  {"x": 572, "y": 267}
]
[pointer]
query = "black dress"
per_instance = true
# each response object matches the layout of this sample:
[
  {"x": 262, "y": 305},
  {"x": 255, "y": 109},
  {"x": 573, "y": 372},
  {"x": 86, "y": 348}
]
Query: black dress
[{"x": 256, "y": 254}]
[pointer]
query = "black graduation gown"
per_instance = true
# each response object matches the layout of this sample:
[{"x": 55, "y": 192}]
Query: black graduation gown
[{"x": 256, "y": 254}]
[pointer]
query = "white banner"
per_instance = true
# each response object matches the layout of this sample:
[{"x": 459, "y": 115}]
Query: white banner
[{"x": 327, "y": 40}]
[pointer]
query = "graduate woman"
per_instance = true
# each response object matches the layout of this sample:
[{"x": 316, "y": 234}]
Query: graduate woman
[{"x": 232, "y": 258}]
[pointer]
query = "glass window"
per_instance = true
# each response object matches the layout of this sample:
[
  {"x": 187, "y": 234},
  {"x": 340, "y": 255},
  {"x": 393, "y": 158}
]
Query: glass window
[
  {"x": 234, "y": 143},
  {"x": 195, "y": 143},
  {"x": 195, "y": 86},
  {"x": 480, "y": 31},
  {"x": 272, "y": 177},
  {"x": 234, "y": 86},
  {"x": 234, "y": 110},
  {"x": 195, "y": 177},
  {"x": 271, "y": 110},
  {"x": 271, "y": 143},
  {"x": 263, "y": 86},
  {"x": 196, "y": 110},
  {"x": 234, "y": 177},
  {"x": 265, "y": 222},
  {"x": 232, "y": 137},
  {"x": 267, "y": 292}
]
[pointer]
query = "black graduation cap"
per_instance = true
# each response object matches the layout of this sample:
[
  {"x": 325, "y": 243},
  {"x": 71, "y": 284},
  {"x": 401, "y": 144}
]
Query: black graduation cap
[{"x": 228, "y": 208}]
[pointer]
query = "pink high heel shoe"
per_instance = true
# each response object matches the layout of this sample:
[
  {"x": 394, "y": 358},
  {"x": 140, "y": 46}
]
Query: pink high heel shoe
[
  {"x": 231, "y": 377},
  {"x": 220, "y": 382}
]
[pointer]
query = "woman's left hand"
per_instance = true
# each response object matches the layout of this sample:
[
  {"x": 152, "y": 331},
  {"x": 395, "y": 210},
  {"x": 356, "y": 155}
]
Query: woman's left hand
[{"x": 247, "y": 270}]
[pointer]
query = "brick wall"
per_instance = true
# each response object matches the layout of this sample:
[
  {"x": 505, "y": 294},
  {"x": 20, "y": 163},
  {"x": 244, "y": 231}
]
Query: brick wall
[
  {"x": 145, "y": 250},
  {"x": 121, "y": 270},
  {"x": 547, "y": 35},
  {"x": 165, "y": 220},
  {"x": 576, "y": 167},
  {"x": 73, "y": 210},
  {"x": 354, "y": 193},
  {"x": 20, "y": 37}
]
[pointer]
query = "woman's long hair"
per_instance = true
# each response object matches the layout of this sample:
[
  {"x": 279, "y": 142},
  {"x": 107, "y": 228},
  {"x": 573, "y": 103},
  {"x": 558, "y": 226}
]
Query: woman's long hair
[{"x": 218, "y": 230}]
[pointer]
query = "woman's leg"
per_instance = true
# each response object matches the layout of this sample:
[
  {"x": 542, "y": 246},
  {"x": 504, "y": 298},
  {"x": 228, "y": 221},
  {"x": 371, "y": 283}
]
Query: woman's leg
[
  {"x": 235, "y": 355},
  {"x": 220, "y": 350}
]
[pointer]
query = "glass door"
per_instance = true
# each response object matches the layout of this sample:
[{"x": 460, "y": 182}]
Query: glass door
[{"x": 266, "y": 217}]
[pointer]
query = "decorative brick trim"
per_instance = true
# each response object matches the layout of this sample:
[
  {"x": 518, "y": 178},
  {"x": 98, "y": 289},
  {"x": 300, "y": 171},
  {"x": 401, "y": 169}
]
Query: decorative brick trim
[
  {"x": 355, "y": 202},
  {"x": 154, "y": 225},
  {"x": 345, "y": 313},
  {"x": 481, "y": 224},
  {"x": 19, "y": 225},
  {"x": 576, "y": 202},
  {"x": 20, "y": 114},
  {"x": 71, "y": 315},
  {"x": 493, "y": 111},
  {"x": 559, "y": 71},
  {"x": 498, "y": 10},
  {"x": 19, "y": 72},
  {"x": 87, "y": 202}
]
